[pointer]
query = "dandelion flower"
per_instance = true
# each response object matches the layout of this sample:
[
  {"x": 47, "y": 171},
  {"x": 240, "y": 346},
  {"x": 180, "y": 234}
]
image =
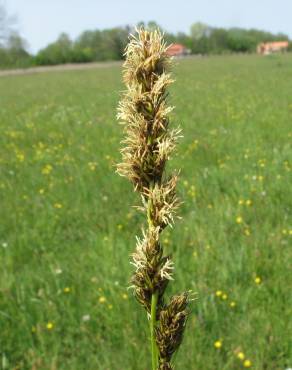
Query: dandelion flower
[
  {"x": 218, "y": 293},
  {"x": 47, "y": 169},
  {"x": 247, "y": 232},
  {"x": 239, "y": 220},
  {"x": 50, "y": 325},
  {"x": 20, "y": 157},
  {"x": 58, "y": 205},
  {"x": 240, "y": 356},
  {"x": 232, "y": 304},
  {"x": 258, "y": 280},
  {"x": 102, "y": 299},
  {"x": 218, "y": 344},
  {"x": 224, "y": 296},
  {"x": 67, "y": 289},
  {"x": 247, "y": 363}
]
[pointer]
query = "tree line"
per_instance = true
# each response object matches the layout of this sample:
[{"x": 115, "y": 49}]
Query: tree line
[{"x": 109, "y": 44}]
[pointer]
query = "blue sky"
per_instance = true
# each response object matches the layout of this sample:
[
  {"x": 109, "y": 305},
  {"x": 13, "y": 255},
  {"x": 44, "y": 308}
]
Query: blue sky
[{"x": 41, "y": 21}]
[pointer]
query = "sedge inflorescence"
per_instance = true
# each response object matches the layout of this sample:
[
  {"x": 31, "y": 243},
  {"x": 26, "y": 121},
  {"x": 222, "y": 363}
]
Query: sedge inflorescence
[{"x": 147, "y": 146}]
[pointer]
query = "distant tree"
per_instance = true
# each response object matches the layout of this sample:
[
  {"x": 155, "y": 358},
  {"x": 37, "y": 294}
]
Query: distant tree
[
  {"x": 6, "y": 24},
  {"x": 17, "y": 51},
  {"x": 58, "y": 52},
  {"x": 3, "y": 24},
  {"x": 218, "y": 40},
  {"x": 109, "y": 44},
  {"x": 199, "y": 30},
  {"x": 16, "y": 43},
  {"x": 13, "y": 51},
  {"x": 184, "y": 39},
  {"x": 151, "y": 25},
  {"x": 113, "y": 43},
  {"x": 239, "y": 40},
  {"x": 200, "y": 38}
]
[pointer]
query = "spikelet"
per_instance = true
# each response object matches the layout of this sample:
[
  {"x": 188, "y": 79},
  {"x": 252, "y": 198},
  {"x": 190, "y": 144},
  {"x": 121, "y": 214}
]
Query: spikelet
[
  {"x": 169, "y": 332},
  {"x": 147, "y": 146}
]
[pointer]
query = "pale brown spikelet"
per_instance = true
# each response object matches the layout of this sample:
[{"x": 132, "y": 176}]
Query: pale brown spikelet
[
  {"x": 153, "y": 270},
  {"x": 147, "y": 146},
  {"x": 172, "y": 320}
]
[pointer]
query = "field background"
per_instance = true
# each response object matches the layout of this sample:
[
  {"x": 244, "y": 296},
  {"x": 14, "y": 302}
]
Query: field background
[{"x": 67, "y": 226}]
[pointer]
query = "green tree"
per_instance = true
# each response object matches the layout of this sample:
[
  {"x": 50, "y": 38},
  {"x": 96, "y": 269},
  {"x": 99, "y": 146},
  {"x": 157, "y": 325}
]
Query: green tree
[
  {"x": 60, "y": 51},
  {"x": 199, "y": 30},
  {"x": 240, "y": 40}
]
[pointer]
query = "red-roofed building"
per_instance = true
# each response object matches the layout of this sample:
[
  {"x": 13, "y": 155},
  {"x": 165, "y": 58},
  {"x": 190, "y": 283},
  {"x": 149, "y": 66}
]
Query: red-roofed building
[
  {"x": 266, "y": 48},
  {"x": 175, "y": 50}
]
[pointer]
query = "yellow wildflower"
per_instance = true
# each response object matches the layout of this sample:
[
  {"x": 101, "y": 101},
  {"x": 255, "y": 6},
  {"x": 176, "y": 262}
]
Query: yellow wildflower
[
  {"x": 50, "y": 325},
  {"x": 248, "y": 202},
  {"x": 224, "y": 296},
  {"x": 102, "y": 299},
  {"x": 247, "y": 232},
  {"x": 218, "y": 344},
  {"x": 239, "y": 220},
  {"x": 58, "y": 205},
  {"x": 219, "y": 293},
  {"x": 92, "y": 165},
  {"x": 247, "y": 363},
  {"x": 241, "y": 356},
  {"x": 232, "y": 304},
  {"x": 20, "y": 157},
  {"x": 67, "y": 289},
  {"x": 257, "y": 280},
  {"x": 47, "y": 169}
]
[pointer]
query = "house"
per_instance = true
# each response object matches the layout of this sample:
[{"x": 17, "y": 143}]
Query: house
[
  {"x": 177, "y": 50},
  {"x": 266, "y": 48}
]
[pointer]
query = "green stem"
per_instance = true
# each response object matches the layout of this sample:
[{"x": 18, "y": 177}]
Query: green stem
[
  {"x": 154, "y": 351},
  {"x": 154, "y": 301}
]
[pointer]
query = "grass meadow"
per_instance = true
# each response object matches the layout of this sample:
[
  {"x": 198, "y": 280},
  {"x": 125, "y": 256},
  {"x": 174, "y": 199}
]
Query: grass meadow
[{"x": 68, "y": 226}]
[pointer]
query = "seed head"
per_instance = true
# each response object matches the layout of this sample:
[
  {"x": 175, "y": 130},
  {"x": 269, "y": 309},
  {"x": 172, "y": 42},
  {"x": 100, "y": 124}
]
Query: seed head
[
  {"x": 172, "y": 322},
  {"x": 147, "y": 145}
]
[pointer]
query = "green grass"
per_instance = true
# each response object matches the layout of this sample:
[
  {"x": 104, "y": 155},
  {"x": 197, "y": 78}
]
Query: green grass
[{"x": 67, "y": 225}]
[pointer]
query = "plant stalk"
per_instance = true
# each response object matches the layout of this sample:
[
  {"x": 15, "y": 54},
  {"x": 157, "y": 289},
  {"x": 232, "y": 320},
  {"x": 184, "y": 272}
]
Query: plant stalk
[
  {"x": 154, "y": 300},
  {"x": 154, "y": 351}
]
